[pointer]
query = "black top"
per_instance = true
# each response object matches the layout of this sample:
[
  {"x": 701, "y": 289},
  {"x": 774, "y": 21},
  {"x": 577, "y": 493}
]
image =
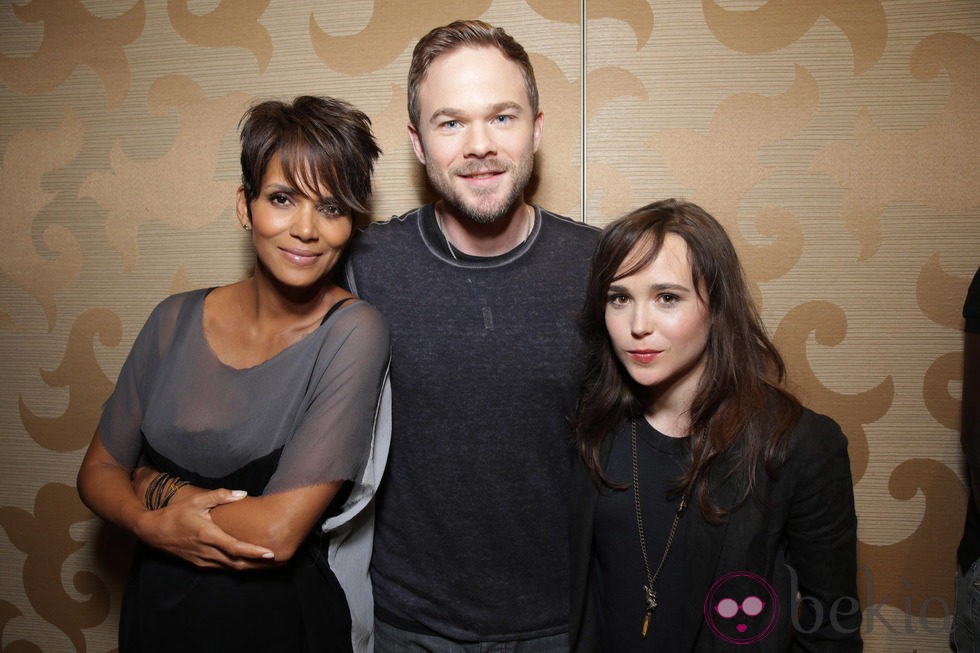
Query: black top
[
  {"x": 618, "y": 558},
  {"x": 798, "y": 539}
]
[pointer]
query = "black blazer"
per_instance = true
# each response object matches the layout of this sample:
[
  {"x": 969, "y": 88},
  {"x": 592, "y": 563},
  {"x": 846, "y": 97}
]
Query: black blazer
[{"x": 804, "y": 540}]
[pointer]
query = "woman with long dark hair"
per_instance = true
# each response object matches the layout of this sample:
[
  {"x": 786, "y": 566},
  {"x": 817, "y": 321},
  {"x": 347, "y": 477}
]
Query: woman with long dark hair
[{"x": 710, "y": 508}]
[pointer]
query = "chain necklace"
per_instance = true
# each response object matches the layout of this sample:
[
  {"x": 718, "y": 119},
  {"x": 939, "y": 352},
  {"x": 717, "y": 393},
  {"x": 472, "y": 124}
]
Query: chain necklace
[
  {"x": 452, "y": 250},
  {"x": 650, "y": 589}
]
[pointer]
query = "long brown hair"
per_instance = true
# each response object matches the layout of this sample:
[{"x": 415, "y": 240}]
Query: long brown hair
[{"x": 740, "y": 409}]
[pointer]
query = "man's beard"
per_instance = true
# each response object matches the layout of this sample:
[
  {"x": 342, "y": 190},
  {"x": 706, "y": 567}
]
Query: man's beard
[{"x": 482, "y": 210}]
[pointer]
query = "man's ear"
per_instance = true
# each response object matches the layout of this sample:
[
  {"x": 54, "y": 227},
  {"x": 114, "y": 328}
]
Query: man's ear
[
  {"x": 413, "y": 134},
  {"x": 538, "y": 129}
]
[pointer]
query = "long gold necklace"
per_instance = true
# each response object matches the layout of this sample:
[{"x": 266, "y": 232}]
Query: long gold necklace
[{"x": 650, "y": 589}]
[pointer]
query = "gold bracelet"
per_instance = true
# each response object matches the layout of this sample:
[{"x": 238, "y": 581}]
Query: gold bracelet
[
  {"x": 161, "y": 490},
  {"x": 152, "y": 495},
  {"x": 175, "y": 484}
]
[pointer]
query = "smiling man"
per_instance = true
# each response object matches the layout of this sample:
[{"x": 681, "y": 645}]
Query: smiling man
[{"x": 482, "y": 291}]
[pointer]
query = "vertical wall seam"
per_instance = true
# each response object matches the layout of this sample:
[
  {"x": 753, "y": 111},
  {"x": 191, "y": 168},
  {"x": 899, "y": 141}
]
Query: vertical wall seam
[{"x": 582, "y": 122}]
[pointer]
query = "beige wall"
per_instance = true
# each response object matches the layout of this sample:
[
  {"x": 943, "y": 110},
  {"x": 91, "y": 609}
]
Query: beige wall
[{"x": 838, "y": 140}]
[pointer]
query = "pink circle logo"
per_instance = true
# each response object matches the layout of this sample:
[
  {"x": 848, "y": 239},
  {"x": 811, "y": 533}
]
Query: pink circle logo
[{"x": 741, "y": 608}]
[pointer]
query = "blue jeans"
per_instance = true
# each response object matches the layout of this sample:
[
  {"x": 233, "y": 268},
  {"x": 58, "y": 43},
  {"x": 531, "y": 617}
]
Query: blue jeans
[
  {"x": 390, "y": 639},
  {"x": 966, "y": 622}
]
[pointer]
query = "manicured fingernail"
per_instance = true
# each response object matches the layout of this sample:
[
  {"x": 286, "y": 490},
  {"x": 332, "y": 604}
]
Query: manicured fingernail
[
  {"x": 269, "y": 554},
  {"x": 238, "y": 493}
]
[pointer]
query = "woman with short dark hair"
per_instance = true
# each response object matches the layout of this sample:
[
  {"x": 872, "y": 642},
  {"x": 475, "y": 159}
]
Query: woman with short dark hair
[{"x": 247, "y": 414}]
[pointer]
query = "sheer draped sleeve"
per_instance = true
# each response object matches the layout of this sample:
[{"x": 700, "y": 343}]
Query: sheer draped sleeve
[
  {"x": 122, "y": 414},
  {"x": 305, "y": 416},
  {"x": 333, "y": 440}
]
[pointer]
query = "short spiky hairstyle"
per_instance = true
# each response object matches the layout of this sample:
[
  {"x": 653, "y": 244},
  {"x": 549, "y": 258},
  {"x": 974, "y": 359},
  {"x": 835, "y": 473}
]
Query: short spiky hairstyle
[
  {"x": 465, "y": 33},
  {"x": 319, "y": 140}
]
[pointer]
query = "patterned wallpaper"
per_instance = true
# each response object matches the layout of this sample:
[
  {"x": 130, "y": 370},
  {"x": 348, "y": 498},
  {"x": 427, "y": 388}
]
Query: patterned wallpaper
[{"x": 838, "y": 140}]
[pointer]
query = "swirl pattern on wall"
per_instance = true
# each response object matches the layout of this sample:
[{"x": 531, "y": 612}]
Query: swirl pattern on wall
[{"x": 837, "y": 140}]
